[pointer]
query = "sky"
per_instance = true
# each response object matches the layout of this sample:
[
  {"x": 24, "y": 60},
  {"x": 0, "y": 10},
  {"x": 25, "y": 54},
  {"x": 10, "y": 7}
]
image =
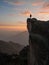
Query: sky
[{"x": 14, "y": 13}]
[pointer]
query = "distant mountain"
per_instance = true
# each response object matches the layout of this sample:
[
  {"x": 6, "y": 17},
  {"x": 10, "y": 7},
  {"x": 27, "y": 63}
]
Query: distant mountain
[
  {"x": 21, "y": 38},
  {"x": 10, "y": 47},
  {"x": 5, "y": 34},
  {"x": 17, "y": 37}
]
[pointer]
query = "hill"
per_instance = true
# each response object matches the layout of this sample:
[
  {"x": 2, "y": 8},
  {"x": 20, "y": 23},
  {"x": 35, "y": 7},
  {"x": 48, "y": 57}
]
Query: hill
[
  {"x": 17, "y": 37},
  {"x": 10, "y": 47},
  {"x": 21, "y": 38}
]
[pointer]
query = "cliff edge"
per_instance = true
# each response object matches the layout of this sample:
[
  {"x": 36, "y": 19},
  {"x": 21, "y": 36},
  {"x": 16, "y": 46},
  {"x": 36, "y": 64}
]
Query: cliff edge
[{"x": 38, "y": 41}]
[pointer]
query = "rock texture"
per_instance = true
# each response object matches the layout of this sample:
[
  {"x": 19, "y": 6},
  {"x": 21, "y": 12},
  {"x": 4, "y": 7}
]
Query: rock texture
[{"x": 38, "y": 41}]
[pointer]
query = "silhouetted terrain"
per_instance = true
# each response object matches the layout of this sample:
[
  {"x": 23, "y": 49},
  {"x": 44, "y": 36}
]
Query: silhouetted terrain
[
  {"x": 10, "y": 56},
  {"x": 24, "y": 55},
  {"x": 38, "y": 41},
  {"x": 9, "y": 51},
  {"x": 10, "y": 47},
  {"x": 6, "y": 59}
]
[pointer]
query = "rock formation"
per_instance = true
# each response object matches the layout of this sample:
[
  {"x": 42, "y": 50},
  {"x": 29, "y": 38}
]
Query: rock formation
[{"x": 38, "y": 41}]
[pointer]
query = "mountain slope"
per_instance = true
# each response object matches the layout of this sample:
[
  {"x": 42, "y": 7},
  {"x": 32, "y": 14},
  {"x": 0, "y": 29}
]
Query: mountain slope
[
  {"x": 17, "y": 37},
  {"x": 10, "y": 47},
  {"x": 21, "y": 38}
]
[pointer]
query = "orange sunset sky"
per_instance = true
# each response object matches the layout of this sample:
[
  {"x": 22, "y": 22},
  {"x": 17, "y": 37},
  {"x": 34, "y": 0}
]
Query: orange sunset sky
[{"x": 14, "y": 13}]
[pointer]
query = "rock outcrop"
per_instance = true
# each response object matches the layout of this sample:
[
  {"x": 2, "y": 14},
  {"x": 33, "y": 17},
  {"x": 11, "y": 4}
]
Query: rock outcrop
[{"x": 38, "y": 41}]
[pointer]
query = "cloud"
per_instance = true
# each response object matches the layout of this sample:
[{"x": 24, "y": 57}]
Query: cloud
[
  {"x": 43, "y": 12},
  {"x": 13, "y": 27},
  {"x": 18, "y": 3},
  {"x": 38, "y": 3},
  {"x": 21, "y": 23},
  {"x": 14, "y": 2},
  {"x": 42, "y": 15},
  {"x": 44, "y": 9},
  {"x": 26, "y": 13},
  {"x": 45, "y": 6},
  {"x": 11, "y": 14}
]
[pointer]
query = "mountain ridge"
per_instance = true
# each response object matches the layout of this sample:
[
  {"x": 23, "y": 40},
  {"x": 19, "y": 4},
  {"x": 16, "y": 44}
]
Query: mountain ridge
[
  {"x": 21, "y": 37},
  {"x": 10, "y": 47}
]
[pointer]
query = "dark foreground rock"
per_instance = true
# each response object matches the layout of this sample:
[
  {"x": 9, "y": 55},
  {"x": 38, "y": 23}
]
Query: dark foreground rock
[{"x": 38, "y": 41}]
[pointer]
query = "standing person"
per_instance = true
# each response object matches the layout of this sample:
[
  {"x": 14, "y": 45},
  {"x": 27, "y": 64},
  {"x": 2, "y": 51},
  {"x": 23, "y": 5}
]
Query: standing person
[{"x": 29, "y": 20}]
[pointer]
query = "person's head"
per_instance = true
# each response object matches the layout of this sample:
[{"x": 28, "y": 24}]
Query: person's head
[{"x": 30, "y": 15}]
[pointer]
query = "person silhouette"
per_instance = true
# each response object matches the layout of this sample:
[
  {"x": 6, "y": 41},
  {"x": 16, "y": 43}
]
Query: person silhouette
[
  {"x": 29, "y": 20},
  {"x": 30, "y": 15}
]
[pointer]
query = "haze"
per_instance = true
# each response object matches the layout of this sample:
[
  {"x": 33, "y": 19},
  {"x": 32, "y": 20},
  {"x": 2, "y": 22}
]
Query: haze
[{"x": 14, "y": 13}]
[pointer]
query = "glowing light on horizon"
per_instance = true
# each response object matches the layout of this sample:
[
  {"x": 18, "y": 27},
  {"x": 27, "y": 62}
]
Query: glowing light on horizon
[{"x": 14, "y": 28}]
